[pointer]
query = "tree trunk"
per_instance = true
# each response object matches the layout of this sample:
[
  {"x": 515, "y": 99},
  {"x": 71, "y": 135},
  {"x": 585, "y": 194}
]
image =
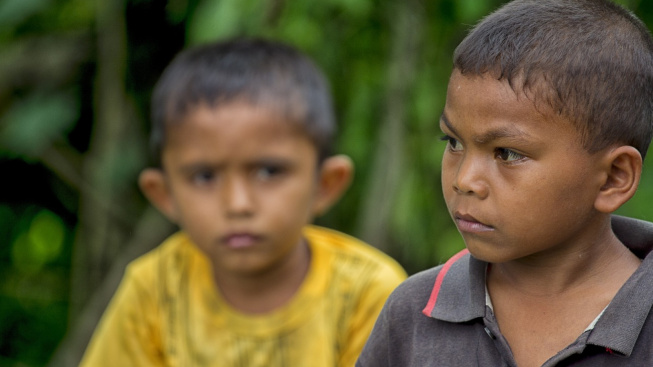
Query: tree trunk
[
  {"x": 99, "y": 236},
  {"x": 388, "y": 166}
]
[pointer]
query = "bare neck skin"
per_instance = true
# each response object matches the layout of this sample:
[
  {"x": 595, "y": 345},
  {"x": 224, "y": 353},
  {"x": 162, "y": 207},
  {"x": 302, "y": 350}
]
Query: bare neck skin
[
  {"x": 559, "y": 276},
  {"x": 266, "y": 291},
  {"x": 543, "y": 304}
]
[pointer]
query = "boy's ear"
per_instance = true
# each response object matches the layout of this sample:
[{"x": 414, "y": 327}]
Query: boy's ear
[
  {"x": 623, "y": 171},
  {"x": 334, "y": 178},
  {"x": 155, "y": 188}
]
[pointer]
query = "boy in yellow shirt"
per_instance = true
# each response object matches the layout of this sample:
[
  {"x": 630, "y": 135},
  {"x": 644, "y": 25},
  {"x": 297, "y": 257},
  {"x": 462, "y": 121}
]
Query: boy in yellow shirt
[{"x": 242, "y": 131}]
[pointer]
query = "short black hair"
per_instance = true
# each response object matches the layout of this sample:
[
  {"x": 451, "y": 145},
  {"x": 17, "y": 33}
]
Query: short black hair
[
  {"x": 591, "y": 61},
  {"x": 255, "y": 70}
]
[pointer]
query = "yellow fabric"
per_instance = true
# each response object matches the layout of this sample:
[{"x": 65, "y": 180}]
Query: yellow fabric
[{"x": 167, "y": 311}]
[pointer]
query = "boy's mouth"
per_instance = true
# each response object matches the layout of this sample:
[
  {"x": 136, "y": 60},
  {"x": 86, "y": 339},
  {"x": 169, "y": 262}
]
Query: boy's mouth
[
  {"x": 240, "y": 240},
  {"x": 467, "y": 223}
]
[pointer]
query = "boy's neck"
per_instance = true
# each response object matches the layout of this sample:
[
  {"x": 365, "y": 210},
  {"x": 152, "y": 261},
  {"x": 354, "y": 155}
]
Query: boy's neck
[
  {"x": 556, "y": 274},
  {"x": 265, "y": 292}
]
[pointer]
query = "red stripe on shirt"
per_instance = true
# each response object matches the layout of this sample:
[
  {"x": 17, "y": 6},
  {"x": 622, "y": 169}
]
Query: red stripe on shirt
[{"x": 438, "y": 282}]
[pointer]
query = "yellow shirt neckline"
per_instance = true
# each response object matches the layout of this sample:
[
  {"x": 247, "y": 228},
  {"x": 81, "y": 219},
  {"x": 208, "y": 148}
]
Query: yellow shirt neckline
[{"x": 285, "y": 317}]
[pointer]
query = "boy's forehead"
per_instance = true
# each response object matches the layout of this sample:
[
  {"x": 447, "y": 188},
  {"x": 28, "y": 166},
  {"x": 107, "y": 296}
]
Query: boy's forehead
[
  {"x": 486, "y": 85},
  {"x": 232, "y": 133},
  {"x": 232, "y": 123},
  {"x": 239, "y": 113},
  {"x": 486, "y": 90},
  {"x": 466, "y": 94},
  {"x": 275, "y": 111},
  {"x": 496, "y": 109},
  {"x": 290, "y": 103}
]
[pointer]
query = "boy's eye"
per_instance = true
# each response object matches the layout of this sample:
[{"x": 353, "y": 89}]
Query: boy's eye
[
  {"x": 507, "y": 155},
  {"x": 203, "y": 177},
  {"x": 452, "y": 144},
  {"x": 265, "y": 173}
]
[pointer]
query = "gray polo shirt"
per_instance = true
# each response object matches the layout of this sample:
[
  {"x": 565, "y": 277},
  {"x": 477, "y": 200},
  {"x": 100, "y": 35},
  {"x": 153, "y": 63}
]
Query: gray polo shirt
[{"x": 440, "y": 317}]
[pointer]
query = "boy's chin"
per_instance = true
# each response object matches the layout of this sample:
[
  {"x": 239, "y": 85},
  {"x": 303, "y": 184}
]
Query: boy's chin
[{"x": 488, "y": 253}]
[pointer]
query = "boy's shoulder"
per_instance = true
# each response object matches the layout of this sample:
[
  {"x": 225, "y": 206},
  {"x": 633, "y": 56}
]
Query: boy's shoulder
[
  {"x": 166, "y": 262},
  {"x": 413, "y": 294}
]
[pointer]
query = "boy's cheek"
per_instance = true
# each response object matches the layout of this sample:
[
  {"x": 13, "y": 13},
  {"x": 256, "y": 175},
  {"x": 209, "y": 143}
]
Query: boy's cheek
[{"x": 171, "y": 211}]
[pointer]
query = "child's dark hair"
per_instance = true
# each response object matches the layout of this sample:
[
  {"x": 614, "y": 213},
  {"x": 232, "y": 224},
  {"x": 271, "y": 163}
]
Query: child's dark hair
[
  {"x": 591, "y": 61},
  {"x": 257, "y": 71}
]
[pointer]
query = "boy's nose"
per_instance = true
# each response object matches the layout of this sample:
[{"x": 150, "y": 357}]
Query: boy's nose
[
  {"x": 237, "y": 198},
  {"x": 470, "y": 178}
]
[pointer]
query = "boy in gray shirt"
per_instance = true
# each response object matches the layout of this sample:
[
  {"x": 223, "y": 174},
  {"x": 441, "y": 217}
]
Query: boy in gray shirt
[{"x": 548, "y": 117}]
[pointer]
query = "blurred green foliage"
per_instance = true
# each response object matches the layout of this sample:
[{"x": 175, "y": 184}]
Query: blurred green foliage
[
  {"x": 34, "y": 122},
  {"x": 384, "y": 58},
  {"x": 33, "y": 284}
]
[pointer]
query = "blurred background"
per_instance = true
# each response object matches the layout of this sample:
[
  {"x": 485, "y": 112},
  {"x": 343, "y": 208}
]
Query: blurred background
[{"x": 75, "y": 82}]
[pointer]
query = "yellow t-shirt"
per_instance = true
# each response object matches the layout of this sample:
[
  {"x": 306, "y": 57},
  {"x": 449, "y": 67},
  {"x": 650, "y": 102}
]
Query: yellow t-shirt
[{"x": 168, "y": 312}]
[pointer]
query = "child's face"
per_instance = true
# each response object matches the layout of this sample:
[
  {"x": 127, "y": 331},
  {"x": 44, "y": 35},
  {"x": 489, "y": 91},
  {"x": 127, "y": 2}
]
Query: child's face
[
  {"x": 242, "y": 183},
  {"x": 516, "y": 181}
]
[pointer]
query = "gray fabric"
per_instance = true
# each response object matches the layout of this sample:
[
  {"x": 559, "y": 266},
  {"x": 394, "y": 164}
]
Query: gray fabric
[{"x": 462, "y": 330}]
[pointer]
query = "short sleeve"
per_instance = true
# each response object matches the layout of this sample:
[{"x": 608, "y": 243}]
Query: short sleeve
[{"x": 127, "y": 334}]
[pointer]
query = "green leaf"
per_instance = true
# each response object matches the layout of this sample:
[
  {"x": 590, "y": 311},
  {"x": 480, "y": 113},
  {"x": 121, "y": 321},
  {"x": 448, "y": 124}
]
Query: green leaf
[
  {"x": 13, "y": 12},
  {"x": 47, "y": 233},
  {"x": 471, "y": 10},
  {"x": 304, "y": 33},
  {"x": 32, "y": 124},
  {"x": 213, "y": 20},
  {"x": 177, "y": 10},
  {"x": 7, "y": 221},
  {"x": 357, "y": 8},
  {"x": 625, "y": 3},
  {"x": 40, "y": 244}
]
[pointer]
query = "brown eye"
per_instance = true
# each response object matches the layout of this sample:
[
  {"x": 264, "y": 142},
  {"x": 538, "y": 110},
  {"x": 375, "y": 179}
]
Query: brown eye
[
  {"x": 203, "y": 177},
  {"x": 507, "y": 155},
  {"x": 452, "y": 144},
  {"x": 269, "y": 172}
]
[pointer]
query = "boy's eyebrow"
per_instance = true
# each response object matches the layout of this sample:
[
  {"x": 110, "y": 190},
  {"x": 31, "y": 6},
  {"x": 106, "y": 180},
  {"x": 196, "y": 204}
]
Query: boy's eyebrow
[
  {"x": 445, "y": 120},
  {"x": 500, "y": 132},
  {"x": 194, "y": 167},
  {"x": 266, "y": 161},
  {"x": 278, "y": 162}
]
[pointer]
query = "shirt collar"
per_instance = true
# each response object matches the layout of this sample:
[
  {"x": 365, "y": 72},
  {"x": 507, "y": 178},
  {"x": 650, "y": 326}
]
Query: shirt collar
[{"x": 457, "y": 302}]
